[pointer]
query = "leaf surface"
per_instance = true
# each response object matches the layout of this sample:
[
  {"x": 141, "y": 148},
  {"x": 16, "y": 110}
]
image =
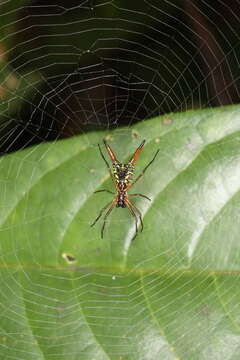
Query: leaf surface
[{"x": 172, "y": 293}]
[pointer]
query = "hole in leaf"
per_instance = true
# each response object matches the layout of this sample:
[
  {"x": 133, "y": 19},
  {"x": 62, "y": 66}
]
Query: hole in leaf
[{"x": 69, "y": 258}]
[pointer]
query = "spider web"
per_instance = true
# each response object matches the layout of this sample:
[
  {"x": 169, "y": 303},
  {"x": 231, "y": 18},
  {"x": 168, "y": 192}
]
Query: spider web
[{"x": 77, "y": 68}]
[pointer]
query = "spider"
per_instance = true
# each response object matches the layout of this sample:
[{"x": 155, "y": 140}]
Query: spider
[{"x": 122, "y": 179}]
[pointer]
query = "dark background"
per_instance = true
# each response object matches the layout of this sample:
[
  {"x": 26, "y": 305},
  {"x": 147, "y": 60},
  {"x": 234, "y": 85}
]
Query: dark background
[{"x": 69, "y": 67}]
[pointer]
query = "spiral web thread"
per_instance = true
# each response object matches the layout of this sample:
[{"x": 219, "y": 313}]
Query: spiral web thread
[{"x": 69, "y": 69}]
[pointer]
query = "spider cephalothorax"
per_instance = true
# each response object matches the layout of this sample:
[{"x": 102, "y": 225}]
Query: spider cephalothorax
[{"x": 122, "y": 179}]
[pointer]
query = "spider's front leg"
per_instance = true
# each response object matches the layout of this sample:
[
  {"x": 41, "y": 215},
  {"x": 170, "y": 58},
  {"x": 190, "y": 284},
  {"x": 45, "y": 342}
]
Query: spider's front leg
[
  {"x": 101, "y": 212},
  {"x": 106, "y": 215},
  {"x": 134, "y": 210},
  {"x": 110, "y": 207}
]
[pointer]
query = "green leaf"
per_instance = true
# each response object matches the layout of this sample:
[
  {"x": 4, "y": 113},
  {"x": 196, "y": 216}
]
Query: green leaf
[{"x": 172, "y": 293}]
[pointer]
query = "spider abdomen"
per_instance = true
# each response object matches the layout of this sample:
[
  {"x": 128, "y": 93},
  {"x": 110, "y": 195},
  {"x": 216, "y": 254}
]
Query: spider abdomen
[{"x": 122, "y": 173}]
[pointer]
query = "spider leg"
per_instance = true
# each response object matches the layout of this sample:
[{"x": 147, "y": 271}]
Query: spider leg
[
  {"x": 110, "y": 192},
  {"x": 143, "y": 171},
  {"x": 104, "y": 157},
  {"x": 108, "y": 166},
  {"x": 131, "y": 209},
  {"x": 144, "y": 196},
  {"x": 101, "y": 211},
  {"x": 106, "y": 215},
  {"x": 139, "y": 214}
]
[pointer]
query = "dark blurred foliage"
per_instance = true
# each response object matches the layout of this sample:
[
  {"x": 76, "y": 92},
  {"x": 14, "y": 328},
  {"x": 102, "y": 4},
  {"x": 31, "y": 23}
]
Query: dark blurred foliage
[{"x": 94, "y": 65}]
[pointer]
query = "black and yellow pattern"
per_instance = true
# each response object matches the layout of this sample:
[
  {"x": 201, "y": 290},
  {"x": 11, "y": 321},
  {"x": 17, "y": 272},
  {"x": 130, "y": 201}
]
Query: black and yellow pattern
[{"x": 123, "y": 173}]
